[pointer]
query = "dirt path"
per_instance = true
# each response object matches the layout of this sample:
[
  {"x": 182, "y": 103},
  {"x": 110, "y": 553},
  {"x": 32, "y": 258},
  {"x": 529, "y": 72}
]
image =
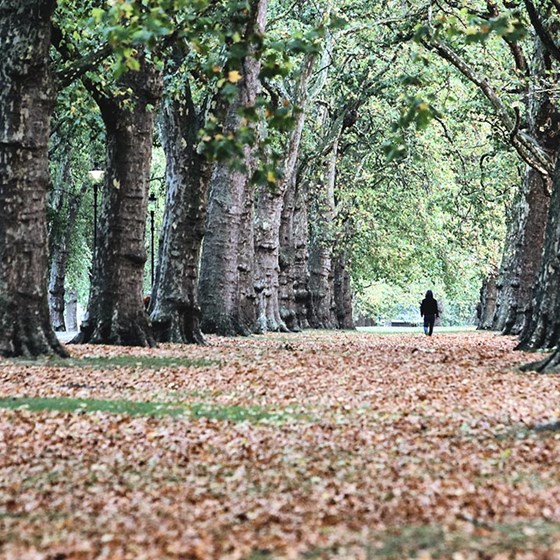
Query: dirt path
[{"x": 317, "y": 445}]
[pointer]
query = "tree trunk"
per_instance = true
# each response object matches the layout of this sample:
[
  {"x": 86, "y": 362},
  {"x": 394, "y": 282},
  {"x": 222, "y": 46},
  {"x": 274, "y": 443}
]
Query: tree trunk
[
  {"x": 72, "y": 310},
  {"x": 527, "y": 256},
  {"x": 322, "y": 313},
  {"x": 522, "y": 255},
  {"x": 26, "y": 104},
  {"x": 116, "y": 313},
  {"x": 486, "y": 308},
  {"x": 343, "y": 292},
  {"x": 226, "y": 288},
  {"x": 59, "y": 261},
  {"x": 175, "y": 313},
  {"x": 268, "y": 218},
  {"x": 543, "y": 324},
  {"x": 293, "y": 258}
]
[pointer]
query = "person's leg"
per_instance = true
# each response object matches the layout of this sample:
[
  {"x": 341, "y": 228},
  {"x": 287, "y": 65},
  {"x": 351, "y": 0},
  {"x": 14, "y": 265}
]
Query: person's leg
[
  {"x": 426, "y": 324},
  {"x": 432, "y": 323}
]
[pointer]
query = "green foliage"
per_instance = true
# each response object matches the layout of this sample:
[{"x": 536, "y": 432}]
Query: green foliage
[
  {"x": 423, "y": 179},
  {"x": 473, "y": 27}
]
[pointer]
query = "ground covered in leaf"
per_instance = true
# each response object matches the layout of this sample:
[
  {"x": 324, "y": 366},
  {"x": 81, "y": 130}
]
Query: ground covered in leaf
[{"x": 314, "y": 445}]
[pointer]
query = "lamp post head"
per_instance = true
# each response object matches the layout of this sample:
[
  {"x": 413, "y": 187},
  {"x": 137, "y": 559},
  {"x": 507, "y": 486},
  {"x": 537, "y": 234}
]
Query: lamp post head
[
  {"x": 152, "y": 202},
  {"x": 96, "y": 175}
]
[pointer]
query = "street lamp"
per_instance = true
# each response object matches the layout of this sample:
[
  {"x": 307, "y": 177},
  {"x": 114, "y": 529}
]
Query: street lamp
[
  {"x": 96, "y": 176},
  {"x": 152, "y": 204}
]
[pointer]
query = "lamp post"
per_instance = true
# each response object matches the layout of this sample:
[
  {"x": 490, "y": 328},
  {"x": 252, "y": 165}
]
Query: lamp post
[
  {"x": 96, "y": 177},
  {"x": 152, "y": 203}
]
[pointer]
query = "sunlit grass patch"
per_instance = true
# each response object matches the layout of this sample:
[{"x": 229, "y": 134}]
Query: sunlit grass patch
[
  {"x": 436, "y": 542},
  {"x": 251, "y": 414},
  {"x": 113, "y": 362},
  {"x": 65, "y": 404},
  {"x": 433, "y": 541}
]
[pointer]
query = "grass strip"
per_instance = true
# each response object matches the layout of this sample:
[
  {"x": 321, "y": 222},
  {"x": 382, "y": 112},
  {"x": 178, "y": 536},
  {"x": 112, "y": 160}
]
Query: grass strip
[
  {"x": 113, "y": 362},
  {"x": 224, "y": 413}
]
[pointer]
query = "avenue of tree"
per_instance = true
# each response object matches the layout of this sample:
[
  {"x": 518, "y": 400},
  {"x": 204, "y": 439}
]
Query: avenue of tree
[{"x": 298, "y": 152}]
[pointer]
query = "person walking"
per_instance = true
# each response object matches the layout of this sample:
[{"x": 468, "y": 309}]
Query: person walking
[{"x": 429, "y": 310}]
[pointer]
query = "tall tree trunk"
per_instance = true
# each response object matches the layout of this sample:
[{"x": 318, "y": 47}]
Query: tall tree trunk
[
  {"x": 72, "y": 310},
  {"x": 116, "y": 313},
  {"x": 486, "y": 308},
  {"x": 293, "y": 258},
  {"x": 321, "y": 267},
  {"x": 522, "y": 254},
  {"x": 268, "y": 217},
  {"x": 343, "y": 292},
  {"x": 226, "y": 288},
  {"x": 26, "y": 104},
  {"x": 174, "y": 310},
  {"x": 527, "y": 255},
  {"x": 59, "y": 260},
  {"x": 543, "y": 325}
]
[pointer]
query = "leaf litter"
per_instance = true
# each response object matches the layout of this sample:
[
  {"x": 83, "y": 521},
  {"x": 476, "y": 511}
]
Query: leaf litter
[{"x": 315, "y": 445}]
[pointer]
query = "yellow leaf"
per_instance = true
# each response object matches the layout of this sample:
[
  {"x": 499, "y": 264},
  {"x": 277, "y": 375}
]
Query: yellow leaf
[{"x": 234, "y": 76}]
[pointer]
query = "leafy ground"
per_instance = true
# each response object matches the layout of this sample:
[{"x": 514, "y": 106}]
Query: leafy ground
[{"x": 316, "y": 445}]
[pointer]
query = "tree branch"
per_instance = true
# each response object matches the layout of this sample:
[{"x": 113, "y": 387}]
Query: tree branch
[
  {"x": 542, "y": 32},
  {"x": 525, "y": 145},
  {"x": 78, "y": 68},
  {"x": 514, "y": 46}
]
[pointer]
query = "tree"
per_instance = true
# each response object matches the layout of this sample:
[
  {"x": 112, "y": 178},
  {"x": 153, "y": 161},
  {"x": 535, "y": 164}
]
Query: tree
[
  {"x": 26, "y": 104},
  {"x": 116, "y": 313},
  {"x": 272, "y": 195},
  {"x": 174, "y": 310},
  {"x": 75, "y": 150},
  {"x": 227, "y": 295}
]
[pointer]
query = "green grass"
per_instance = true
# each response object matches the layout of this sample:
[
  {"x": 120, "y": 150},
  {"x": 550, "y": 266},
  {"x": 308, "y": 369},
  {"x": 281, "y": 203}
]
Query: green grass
[
  {"x": 65, "y": 404},
  {"x": 113, "y": 362},
  {"x": 411, "y": 541},
  {"x": 252, "y": 414},
  {"x": 419, "y": 330}
]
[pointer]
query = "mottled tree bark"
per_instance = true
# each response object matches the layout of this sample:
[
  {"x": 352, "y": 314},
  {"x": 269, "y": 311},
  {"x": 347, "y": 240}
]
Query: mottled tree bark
[
  {"x": 26, "y": 104},
  {"x": 174, "y": 309},
  {"x": 226, "y": 287},
  {"x": 343, "y": 292},
  {"x": 72, "y": 310},
  {"x": 486, "y": 307},
  {"x": 116, "y": 313},
  {"x": 60, "y": 252},
  {"x": 322, "y": 310},
  {"x": 268, "y": 218},
  {"x": 543, "y": 325},
  {"x": 522, "y": 259},
  {"x": 524, "y": 242},
  {"x": 293, "y": 258}
]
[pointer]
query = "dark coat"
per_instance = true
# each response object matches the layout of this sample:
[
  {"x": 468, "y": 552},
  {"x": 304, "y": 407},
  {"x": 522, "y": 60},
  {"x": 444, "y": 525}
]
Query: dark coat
[{"x": 429, "y": 306}]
